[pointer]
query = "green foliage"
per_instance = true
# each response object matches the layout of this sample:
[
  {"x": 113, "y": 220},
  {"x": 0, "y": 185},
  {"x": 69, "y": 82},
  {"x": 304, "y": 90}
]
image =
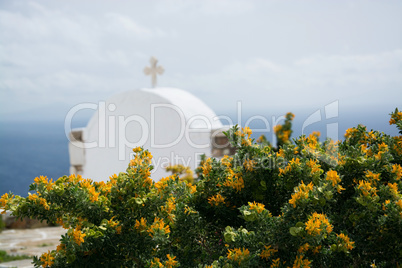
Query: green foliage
[
  {"x": 305, "y": 203},
  {"x": 4, "y": 257}
]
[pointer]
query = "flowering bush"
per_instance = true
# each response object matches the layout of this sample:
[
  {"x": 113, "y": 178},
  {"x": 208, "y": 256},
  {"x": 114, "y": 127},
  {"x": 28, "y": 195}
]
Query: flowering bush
[{"x": 302, "y": 204}]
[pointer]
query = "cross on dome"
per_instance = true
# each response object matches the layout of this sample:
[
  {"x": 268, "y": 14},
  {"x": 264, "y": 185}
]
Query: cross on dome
[{"x": 153, "y": 70}]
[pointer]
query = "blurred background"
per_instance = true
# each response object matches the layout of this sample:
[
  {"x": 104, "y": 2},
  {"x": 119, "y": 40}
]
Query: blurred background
[{"x": 271, "y": 56}]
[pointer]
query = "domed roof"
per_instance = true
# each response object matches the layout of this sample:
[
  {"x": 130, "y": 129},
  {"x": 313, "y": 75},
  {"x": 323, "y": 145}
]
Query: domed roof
[{"x": 172, "y": 123}]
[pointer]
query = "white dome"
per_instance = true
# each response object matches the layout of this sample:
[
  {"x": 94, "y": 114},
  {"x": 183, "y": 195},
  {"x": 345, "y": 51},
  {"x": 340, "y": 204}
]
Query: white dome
[{"x": 173, "y": 124}]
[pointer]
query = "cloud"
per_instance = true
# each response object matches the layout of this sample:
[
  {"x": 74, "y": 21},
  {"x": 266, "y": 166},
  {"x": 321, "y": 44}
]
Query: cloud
[
  {"x": 302, "y": 83},
  {"x": 125, "y": 26},
  {"x": 207, "y": 7}
]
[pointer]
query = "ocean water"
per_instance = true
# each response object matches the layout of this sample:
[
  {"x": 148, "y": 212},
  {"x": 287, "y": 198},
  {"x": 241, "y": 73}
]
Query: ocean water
[{"x": 31, "y": 149}]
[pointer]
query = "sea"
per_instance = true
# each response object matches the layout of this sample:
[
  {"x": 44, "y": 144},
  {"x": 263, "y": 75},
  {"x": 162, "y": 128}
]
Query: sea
[{"x": 29, "y": 149}]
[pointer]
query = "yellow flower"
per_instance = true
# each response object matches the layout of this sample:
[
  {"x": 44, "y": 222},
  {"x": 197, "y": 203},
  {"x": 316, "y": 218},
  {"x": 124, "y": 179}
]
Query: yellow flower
[
  {"x": 171, "y": 261},
  {"x": 206, "y": 167},
  {"x": 238, "y": 254},
  {"x": 256, "y": 206},
  {"x": 32, "y": 197},
  {"x": 399, "y": 203},
  {"x": 215, "y": 200},
  {"x": 247, "y": 131},
  {"x": 44, "y": 203},
  {"x": 235, "y": 181},
  {"x": 395, "y": 117},
  {"x": 249, "y": 165},
  {"x": 163, "y": 183},
  {"x": 47, "y": 259},
  {"x": 78, "y": 236},
  {"x": 314, "y": 166},
  {"x": 366, "y": 188},
  {"x": 393, "y": 188},
  {"x": 333, "y": 177},
  {"x": 276, "y": 262},
  {"x": 141, "y": 225},
  {"x": 397, "y": 170},
  {"x": 192, "y": 188},
  {"x": 280, "y": 153},
  {"x": 345, "y": 241},
  {"x": 158, "y": 225},
  {"x": 87, "y": 183},
  {"x": 267, "y": 252},
  {"x": 317, "y": 224},
  {"x": 60, "y": 247},
  {"x": 41, "y": 179},
  {"x": 373, "y": 177},
  {"x": 301, "y": 192},
  {"x": 156, "y": 263},
  {"x": 303, "y": 248},
  {"x": 299, "y": 262},
  {"x": 350, "y": 132},
  {"x": 137, "y": 149},
  {"x": 93, "y": 195}
]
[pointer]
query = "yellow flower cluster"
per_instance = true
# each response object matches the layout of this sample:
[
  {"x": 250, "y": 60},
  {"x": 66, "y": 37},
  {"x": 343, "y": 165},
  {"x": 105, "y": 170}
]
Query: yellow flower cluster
[
  {"x": 300, "y": 262},
  {"x": 397, "y": 170},
  {"x": 350, "y": 132},
  {"x": 234, "y": 180},
  {"x": 382, "y": 149},
  {"x": 40, "y": 200},
  {"x": 303, "y": 248},
  {"x": 47, "y": 259},
  {"x": 302, "y": 192},
  {"x": 158, "y": 225},
  {"x": 312, "y": 142},
  {"x": 5, "y": 198},
  {"x": 206, "y": 167},
  {"x": 163, "y": 183},
  {"x": 334, "y": 178},
  {"x": 267, "y": 252},
  {"x": 398, "y": 145},
  {"x": 246, "y": 141},
  {"x": 276, "y": 263},
  {"x": 216, "y": 200},
  {"x": 317, "y": 224},
  {"x": 395, "y": 117},
  {"x": 170, "y": 263},
  {"x": 249, "y": 164},
  {"x": 141, "y": 157},
  {"x": 393, "y": 188},
  {"x": 141, "y": 224},
  {"x": 238, "y": 255},
  {"x": 315, "y": 167},
  {"x": 226, "y": 161},
  {"x": 78, "y": 236},
  {"x": 191, "y": 187},
  {"x": 169, "y": 208},
  {"x": 283, "y": 135},
  {"x": 256, "y": 206},
  {"x": 367, "y": 189},
  {"x": 373, "y": 177},
  {"x": 345, "y": 242}
]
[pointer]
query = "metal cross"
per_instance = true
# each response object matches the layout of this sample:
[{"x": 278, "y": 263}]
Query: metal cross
[{"x": 153, "y": 70}]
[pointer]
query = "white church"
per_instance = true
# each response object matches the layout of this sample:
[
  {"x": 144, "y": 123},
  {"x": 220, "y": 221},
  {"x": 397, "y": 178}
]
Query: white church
[{"x": 174, "y": 125}]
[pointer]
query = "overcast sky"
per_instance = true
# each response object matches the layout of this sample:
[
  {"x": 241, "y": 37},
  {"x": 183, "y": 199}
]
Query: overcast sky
[{"x": 274, "y": 56}]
